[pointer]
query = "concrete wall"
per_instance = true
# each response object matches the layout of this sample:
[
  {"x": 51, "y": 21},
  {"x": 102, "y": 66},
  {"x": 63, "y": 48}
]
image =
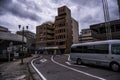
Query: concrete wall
[{"x": 75, "y": 31}]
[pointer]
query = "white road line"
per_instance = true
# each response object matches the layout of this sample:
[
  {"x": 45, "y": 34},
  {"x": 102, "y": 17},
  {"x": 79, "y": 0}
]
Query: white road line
[
  {"x": 77, "y": 70},
  {"x": 69, "y": 58},
  {"x": 71, "y": 64},
  {"x": 68, "y": 63},
  {"x": 40, "y": 74}
]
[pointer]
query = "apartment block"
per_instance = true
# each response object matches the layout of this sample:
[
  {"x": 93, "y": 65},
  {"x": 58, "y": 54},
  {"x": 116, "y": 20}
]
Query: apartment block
[
  {"x": 58, "y": 37},
  {"x": 86, "y": 36},
  {"x": 66, "y": 28}
]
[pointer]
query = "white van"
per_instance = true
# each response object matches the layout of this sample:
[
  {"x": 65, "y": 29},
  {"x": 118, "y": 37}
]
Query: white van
[{"x": 105, "y": 53}]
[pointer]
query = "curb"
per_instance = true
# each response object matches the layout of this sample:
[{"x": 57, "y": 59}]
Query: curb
[{"x": 32, "y": 73}]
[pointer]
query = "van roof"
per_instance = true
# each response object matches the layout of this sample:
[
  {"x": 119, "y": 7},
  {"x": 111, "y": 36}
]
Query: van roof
[{"x": 98, "y": 42}]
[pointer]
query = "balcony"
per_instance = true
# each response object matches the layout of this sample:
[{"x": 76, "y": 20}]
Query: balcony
[{"x": 60, "y": 17}]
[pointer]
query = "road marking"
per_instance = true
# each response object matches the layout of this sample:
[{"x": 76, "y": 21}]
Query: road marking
[
  {"x": 22, "y": 77},
  {"x": 76, "y": 70},
  {"x": 43, "y": 60},
  {"x": 39, "y": 73},
  {"x": 68, "y": 63},
  {"x": 69, "y": 58}
]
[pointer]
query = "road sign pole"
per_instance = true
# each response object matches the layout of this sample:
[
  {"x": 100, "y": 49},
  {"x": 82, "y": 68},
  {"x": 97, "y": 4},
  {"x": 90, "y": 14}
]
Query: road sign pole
[
  {"x": 8, "y": 56},
  {"x": 9, "y": 49}
]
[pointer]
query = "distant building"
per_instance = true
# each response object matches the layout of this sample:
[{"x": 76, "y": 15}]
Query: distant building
[
  {"x": 3, "y": 29},
  {"x": 61, "y": 35},
  {"x": 86, "y": 36},
  {"x": 99, "y": 30},
  {"x": 11, "y": 41},
  {"x": 30, "y": 36}
]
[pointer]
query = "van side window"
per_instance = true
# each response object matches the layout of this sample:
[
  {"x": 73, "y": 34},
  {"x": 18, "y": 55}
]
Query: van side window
[
  {"x": 94, "y": 49},
  {"x": 102, "y": 49},
  {"x": 116, "y": 49}
]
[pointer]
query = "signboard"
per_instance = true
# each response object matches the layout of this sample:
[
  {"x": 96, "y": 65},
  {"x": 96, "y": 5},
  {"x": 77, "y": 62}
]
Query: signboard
[
  {"x": 9, "y": 49},
  {"x": 16, "y": 54}
]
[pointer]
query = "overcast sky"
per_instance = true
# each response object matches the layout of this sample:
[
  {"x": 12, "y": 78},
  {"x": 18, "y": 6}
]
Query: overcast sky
[{"x": 35, "y": 12}]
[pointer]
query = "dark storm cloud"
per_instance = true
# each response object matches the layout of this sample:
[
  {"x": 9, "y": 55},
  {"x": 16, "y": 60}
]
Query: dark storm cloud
[
  {"x": 30, "y": 5},
  {"x": 3, "y": 4},
  {"x": 89, "y": 3},
  {"x": 8, "y": 6},
  {"x": 88, "y": 19},
  {"x": 113, "y": 9},
  {"x": 112, "y": 5},
  {"x": 96, "y": 17}
]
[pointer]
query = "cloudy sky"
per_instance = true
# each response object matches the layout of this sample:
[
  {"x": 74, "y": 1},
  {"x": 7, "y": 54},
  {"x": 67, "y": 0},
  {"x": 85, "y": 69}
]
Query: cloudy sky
[{"x": 35, "y": 12}]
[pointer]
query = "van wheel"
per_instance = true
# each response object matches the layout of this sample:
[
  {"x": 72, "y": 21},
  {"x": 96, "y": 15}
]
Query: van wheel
[
  {"x": 115, "y": 67},
  {"x": 79, "y": 61}
]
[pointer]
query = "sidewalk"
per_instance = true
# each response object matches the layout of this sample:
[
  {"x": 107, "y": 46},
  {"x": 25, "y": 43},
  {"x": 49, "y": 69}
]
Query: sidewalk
[{"x": 15, "y": 71}]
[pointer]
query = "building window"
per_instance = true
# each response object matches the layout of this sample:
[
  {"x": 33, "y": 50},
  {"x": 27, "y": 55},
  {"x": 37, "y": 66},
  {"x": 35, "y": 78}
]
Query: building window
[
  {"x": 61, "y": 24},
  {"x": 61, "y": 43},
  {"x": 102, "y": 30},
  {"x": 117, "y": 28}
]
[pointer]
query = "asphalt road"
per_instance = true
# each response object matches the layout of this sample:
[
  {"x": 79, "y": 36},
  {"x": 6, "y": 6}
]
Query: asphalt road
[{"x": 59, "y": 68}]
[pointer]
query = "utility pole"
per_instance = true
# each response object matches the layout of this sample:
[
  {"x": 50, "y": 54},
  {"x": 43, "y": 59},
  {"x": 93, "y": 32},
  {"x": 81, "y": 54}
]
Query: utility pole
[
  {"x": 107, "y": 19},
  {"x": 22, "y": 54}
]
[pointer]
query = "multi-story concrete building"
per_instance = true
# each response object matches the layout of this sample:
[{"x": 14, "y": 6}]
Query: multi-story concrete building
[
  {"x": 86, "y": 36},
  {"x": 99, "y": 30},
  {"x": 3, "y": 29},
  {"x": 65, "y": 32},
  {"x": 45, "y": 36}
]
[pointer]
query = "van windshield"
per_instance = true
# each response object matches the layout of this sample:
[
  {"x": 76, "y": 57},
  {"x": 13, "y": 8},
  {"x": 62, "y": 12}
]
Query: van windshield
[{"x": 116, "y": 49}]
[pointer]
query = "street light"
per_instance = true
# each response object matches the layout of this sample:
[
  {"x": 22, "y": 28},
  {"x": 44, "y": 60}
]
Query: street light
[{"x": 22, "y": 41}]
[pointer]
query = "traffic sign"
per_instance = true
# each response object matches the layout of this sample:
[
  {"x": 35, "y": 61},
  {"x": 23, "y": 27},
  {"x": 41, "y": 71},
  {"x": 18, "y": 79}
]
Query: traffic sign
[{"x": 9, "y": 49}]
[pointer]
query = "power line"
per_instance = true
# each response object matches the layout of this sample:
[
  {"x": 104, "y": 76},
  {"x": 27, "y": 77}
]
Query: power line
[{"x": 107, "y": 19}]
